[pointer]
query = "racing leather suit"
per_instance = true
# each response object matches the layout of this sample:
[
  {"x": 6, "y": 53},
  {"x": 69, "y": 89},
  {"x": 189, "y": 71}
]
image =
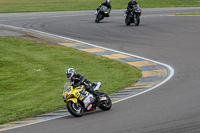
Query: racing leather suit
[
  {"x": 81, "y": 80},
  {"x": 130, "y": 7}
]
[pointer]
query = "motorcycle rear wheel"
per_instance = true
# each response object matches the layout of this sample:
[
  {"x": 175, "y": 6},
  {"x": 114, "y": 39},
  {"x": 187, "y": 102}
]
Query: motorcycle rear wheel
[
  {"x": 107, "y": 104},
  {"x": 76, "y": 109},
  {"x": 127, "y": 22}
]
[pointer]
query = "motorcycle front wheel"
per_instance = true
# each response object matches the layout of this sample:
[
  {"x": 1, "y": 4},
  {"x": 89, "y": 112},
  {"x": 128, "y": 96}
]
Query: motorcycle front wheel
[
  {"x": 106, "y": 105},
  {"x": 137, "y": 20},
  {"x": 96, "y": 20},
  {"x": 76, "y": 109},
  {"x": 99, "y": 17}
]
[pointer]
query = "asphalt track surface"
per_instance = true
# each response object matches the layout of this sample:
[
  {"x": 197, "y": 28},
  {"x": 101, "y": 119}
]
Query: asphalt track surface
[{"x": 173, "y": 107}]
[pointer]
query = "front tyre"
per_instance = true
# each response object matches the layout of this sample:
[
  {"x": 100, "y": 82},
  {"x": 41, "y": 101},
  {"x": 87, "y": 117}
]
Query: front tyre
[
  {"x": 106, "y": 105},
  {"x": 98, "y": 18},
  {"x": 76, "y": 109},
  {"x": 137, "y": 20}
]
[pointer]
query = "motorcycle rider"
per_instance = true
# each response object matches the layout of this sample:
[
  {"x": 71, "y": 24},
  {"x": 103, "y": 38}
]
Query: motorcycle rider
[
  {"x": 107, "y": 4},
  {"x": 79, "y": 79},
  {"x": 130, "y": 6}
]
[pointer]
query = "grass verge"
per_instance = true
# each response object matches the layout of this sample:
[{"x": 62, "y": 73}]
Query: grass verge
[
  {"x": 32, "y": 76},
  {"x": 7, "y": 6}
]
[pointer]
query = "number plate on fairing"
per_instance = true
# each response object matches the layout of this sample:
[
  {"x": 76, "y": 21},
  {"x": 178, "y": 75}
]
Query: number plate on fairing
[
  {"x": 103, "y": 98},
  {"x": 86, "y": 101}
]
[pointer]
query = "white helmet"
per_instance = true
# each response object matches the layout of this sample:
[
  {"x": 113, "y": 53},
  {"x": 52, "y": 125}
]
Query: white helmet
[
  {"x": 108, "y": 2},
  {"x": 70, "y": 73}
]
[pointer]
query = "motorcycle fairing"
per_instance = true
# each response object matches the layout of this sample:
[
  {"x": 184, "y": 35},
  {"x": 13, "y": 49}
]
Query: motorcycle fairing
[
  {"x": 103, "y": 98},
  {"x": 104, "y": 8},
  {"x": 85, "y": 97},
  {"x": 87, "y": 101},
  {"x": 74, "y": 100},
  {"x": 89, "y": 107}
]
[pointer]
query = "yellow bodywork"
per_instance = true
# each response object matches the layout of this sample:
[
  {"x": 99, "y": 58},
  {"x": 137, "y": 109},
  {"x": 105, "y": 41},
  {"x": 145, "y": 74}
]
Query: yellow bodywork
[
  {"x": 74, "y": 94},
  {"x": 74, "y": 100}
]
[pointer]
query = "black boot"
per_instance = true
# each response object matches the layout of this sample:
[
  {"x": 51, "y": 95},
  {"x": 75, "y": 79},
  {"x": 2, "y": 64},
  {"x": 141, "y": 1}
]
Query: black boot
[{"x": 96, "y": 95}]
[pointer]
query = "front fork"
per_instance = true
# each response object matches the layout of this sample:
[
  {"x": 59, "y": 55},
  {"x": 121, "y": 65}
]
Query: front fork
[{"x": 135, "y": 18}]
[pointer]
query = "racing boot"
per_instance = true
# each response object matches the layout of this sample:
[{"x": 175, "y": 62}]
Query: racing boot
[{"x": 96, "y": 95}]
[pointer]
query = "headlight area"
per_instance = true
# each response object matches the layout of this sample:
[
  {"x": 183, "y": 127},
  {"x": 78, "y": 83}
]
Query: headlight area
[
  {"x": 66, "y": 93},
  {"x": 64, "y": 96}
]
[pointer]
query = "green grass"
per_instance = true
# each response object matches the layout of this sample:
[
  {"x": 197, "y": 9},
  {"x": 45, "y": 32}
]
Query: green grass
[
  {"x": 189, "y": 13},
  {"x": 32, "y": 76},
  {"x": 71, "y": 5}
]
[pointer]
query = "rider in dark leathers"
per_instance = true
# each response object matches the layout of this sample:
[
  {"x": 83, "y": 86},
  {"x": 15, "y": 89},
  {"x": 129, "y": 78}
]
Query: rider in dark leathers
[
  {"x": 79, "y": 79},
  {"x": 108, "y": 5},
  {"x": 130, "y": 6}
]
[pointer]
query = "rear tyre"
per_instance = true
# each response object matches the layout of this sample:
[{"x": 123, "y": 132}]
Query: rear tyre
[
  {"x": 76, "y": 109},
  {"x": 106, "y": 105}
]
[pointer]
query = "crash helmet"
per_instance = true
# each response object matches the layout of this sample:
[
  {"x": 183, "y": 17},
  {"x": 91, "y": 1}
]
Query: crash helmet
[
  {"x": 70, "y": 73},
  {"x": 108, "y": 2},
  {"x": 133, "y": 1}
]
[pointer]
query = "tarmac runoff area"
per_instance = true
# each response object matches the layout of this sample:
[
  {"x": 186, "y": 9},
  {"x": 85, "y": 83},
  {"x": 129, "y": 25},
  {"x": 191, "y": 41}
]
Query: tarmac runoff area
[{"x": 154, "y": 73}]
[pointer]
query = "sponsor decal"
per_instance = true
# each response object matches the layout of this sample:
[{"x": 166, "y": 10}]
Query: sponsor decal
[
  {"x": 89, "y": 107},
  {"x": 86, "y": 101},
  {"x": 103, "y": 98}
]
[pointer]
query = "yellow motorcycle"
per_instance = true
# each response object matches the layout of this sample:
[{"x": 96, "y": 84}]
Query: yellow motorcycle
[{"x": 79, "y": 100}]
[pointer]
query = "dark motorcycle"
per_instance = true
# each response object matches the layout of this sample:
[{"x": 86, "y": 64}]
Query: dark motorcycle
[
  {"x": 101, "y": 13},
  {"x": 133, "y": 16}
]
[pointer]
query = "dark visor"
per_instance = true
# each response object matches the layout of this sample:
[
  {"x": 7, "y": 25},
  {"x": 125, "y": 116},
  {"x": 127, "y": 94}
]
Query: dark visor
[{"x": 68, "y": 75}]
